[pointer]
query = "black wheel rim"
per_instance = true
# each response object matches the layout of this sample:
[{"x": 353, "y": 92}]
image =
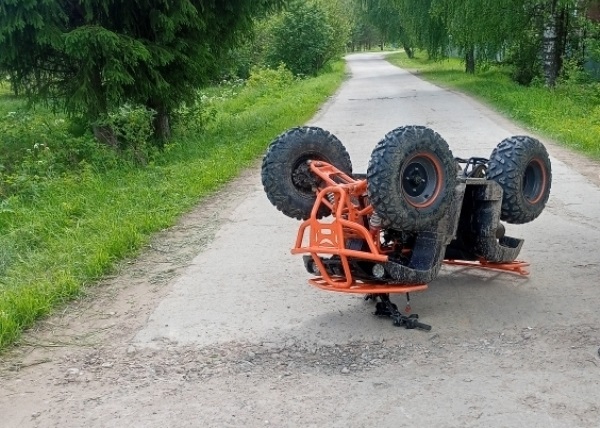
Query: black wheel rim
[
  {"x": 420, "y": 180},
  {"x": 303, "y": 179},
  {"x": 534, "y": 181}
]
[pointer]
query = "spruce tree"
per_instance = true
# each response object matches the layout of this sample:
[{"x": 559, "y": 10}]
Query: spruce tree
[{"x": 88, "y": 56}]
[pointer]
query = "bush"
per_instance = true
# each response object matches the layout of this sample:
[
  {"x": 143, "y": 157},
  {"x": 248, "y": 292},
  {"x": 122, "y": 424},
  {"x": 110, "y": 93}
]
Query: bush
[
  {"x": 130, "y": 131},
  {"x": 303, "y": 39},
  {"x": 192, "y": 118},
  {"x": 273, "y": 79},
  {"x": 524, "y": 57},
  {"x": 572, "y": 72}
]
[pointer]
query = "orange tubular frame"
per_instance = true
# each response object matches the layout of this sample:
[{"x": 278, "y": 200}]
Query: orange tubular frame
[
  {"x": 346, "y": 197},
  {"x": 518, "y": 267},
  {"x": 343, "y": 196}
]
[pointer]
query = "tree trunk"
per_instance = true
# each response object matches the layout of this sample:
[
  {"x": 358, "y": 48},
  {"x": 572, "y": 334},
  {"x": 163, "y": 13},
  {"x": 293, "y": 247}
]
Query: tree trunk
[
  {"x": 550, "y": 45},
  {"x": 99, "y": 108},
  {"x": 408, "y": 50},
  {"x": 470, "y": 61},
  {"x": 162, "y": 128},
  {"x": 563, "y": 36},
  {"x": 97, "y": 111}
]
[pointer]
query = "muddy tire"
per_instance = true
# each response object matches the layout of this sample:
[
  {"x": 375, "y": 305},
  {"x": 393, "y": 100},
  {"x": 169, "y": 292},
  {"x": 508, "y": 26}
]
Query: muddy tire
[
  {"x": 411, "y": 178},
  {"x": 521, "y": 165},
  {"x": 286, "y": 178}
]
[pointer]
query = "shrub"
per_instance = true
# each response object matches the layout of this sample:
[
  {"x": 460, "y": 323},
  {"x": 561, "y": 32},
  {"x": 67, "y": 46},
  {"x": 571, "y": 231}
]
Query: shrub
[
  {"x": 273, "y": 79},
  {"x": 524, "y": 57},
  {"x": 130, "y": 132},
  {"x": 302, "y": 39}
]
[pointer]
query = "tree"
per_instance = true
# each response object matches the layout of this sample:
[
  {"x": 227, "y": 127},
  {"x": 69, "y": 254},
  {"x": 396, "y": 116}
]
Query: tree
[
  {"x": 552, "y": 31},
  {"x": 386, "y": 17},
  {"x": 363, "y": 34},
  {"x": 480, "y": 29},
  {"x": 339, "y": 17},
  {"x": 425, "y": 29},
  {"x": 303, "y": 39},
  {"x": 533, "y": 31},
  {"x": 89, "y": 56},
  {"x": 559, "y": 20}
]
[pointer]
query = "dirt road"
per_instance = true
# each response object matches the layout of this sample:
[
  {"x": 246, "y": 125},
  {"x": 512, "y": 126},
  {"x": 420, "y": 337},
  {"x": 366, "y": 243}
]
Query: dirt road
[{"x": 215, "y": 326}]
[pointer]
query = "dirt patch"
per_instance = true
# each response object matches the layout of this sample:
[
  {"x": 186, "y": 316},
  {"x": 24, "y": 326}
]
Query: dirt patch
[{"x": 238, "y": 384}]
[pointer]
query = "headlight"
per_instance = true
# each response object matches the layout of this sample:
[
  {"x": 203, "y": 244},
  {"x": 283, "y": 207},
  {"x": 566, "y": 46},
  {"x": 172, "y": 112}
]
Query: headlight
[{"x": 378, "y": 271}]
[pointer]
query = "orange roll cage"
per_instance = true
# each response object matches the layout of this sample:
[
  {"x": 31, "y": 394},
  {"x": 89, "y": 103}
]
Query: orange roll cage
[{"x": 347, "y": 199}]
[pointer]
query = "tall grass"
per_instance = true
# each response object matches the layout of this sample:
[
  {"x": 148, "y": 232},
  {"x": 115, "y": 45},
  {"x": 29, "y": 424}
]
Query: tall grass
[
  {"x": 75, "y": 228},
  {"x": 569, "y": 113}
]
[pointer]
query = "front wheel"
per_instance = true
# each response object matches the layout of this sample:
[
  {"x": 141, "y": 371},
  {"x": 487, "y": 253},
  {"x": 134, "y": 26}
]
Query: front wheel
[
  {"x": 521, "y": 166},
  {"x": 286, "y": 176},
  {"x": 411, "y": 178}
]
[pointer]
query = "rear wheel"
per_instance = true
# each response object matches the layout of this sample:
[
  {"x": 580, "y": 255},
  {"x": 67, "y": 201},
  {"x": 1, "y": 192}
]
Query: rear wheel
[
  {"x": 411, "y": 178},
  {"x": 521, "y": 165},
  {"x": 286, "y": 177}
]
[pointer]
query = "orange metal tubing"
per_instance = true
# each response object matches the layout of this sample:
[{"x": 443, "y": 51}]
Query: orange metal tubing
[
  {"x": 517, "y": 266},
  {"x": 329, "y": 237},
  {"x": 362, "y": 288},
  {"x": 345, "y": 197}
]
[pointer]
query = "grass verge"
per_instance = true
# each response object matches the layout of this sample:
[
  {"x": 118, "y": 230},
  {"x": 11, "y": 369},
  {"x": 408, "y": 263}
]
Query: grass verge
[
  {"x": 569, "y": 114},
  {"x": 74, "y": 229}
]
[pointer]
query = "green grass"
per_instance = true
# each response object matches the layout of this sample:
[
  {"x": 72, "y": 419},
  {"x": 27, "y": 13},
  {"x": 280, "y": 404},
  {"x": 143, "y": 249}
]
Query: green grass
[
  {"x": 74, "y": 229},
  {"x": 569, "y": 114},
  {"x": 8, "y": 102}
]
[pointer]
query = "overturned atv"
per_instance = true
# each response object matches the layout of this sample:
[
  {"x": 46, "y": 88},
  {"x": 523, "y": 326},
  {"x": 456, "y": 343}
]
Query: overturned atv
[{"x": 389, "y": 231}]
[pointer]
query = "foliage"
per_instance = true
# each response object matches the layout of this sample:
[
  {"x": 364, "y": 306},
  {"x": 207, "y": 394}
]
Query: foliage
[
  {"x": 268, "y": 79},
  {"x": 303, "y": 39},
  {"x": 538, "y": 35},
  {"x": 90, "y": 56},
  {"x": 592, "y": 42},
  {"x": 131, "y": 127},
  {"x": 386, "y": 17},
  {"x": 426, "y": 29},
  {"x": 523, "y": 55},
  {"x": 251, "y": 51},
  {"x": 38, "y": 146},
  {"x": 339, "y": 17},
  {"x": 263, "y": 46},
  {"x": 363, "y": 36}
]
